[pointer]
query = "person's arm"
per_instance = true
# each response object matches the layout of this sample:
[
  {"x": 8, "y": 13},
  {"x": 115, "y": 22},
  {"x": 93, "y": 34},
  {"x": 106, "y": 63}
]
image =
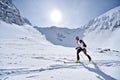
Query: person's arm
[{"x": 77, "y": 42}]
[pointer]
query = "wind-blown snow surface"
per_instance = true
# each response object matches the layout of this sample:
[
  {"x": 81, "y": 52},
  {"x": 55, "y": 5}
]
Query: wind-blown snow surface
[{"x": 25, "y": 54}]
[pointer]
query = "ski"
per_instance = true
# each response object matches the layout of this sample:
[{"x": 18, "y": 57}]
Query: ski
[
  {"x": 72, "y": 62},
  {"x": 87, "y": 62}
]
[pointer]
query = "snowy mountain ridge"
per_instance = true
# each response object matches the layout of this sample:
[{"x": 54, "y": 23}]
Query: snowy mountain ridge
[
  {"x": 10, "y": 14},
  {"x": 61, "y": 36},
  {"x": 99, "y": 32},
  {"x": 109, "y": 20}
]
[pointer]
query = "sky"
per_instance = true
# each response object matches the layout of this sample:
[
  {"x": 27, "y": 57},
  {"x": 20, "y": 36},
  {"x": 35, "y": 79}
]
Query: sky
[{"x": 74, "y": 13}]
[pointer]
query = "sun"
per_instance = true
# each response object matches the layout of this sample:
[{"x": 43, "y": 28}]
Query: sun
[{"x": 56, "y": 16}]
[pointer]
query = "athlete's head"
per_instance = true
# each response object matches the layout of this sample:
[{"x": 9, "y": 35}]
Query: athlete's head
[{"x": 77, "y": 38}]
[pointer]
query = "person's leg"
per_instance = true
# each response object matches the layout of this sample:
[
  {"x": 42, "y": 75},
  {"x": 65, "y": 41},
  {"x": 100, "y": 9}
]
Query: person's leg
[
  {"x": 78, "y": 57},
  {"x": 85, "y": 52}
]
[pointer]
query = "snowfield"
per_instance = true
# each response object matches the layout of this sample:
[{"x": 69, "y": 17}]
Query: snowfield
[{"x": 25, "y": 54}]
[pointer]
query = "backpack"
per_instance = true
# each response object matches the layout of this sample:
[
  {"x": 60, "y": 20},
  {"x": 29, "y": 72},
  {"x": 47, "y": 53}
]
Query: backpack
[{"x": 84, "y": 45}]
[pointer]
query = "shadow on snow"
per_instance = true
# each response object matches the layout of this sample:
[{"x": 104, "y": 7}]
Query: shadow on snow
[{"x": 97, "y": 70}]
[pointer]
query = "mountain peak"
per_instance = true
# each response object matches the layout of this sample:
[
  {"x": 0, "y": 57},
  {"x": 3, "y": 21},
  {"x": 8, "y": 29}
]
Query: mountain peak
[
  {"x": 109, "y": 20},
  {"x": 10, "y": 14}
]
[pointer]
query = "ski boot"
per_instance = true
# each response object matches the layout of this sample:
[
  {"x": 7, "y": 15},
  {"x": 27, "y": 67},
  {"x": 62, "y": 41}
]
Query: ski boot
[{"x": 77, "y": 61}]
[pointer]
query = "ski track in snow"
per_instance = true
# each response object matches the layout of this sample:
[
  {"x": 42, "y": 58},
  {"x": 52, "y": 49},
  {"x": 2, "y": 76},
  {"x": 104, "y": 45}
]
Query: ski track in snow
[
  {"x": 94, "y": 67},
  {"x": 5, "y": 73}
]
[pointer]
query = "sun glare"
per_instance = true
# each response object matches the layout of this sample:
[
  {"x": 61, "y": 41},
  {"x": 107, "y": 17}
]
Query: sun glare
[{"x": 56, "y": 16}]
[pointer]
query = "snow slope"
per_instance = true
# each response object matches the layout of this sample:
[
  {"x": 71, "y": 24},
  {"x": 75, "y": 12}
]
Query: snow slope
[{"x": 26, "y": 54}]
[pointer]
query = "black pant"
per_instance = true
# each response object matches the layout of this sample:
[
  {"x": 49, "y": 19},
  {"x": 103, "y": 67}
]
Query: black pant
[{"x": 79, "y": 49}]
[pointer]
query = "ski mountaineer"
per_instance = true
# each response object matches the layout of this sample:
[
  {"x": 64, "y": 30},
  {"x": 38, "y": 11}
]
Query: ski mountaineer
[{"x": 81, "y": 46}]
